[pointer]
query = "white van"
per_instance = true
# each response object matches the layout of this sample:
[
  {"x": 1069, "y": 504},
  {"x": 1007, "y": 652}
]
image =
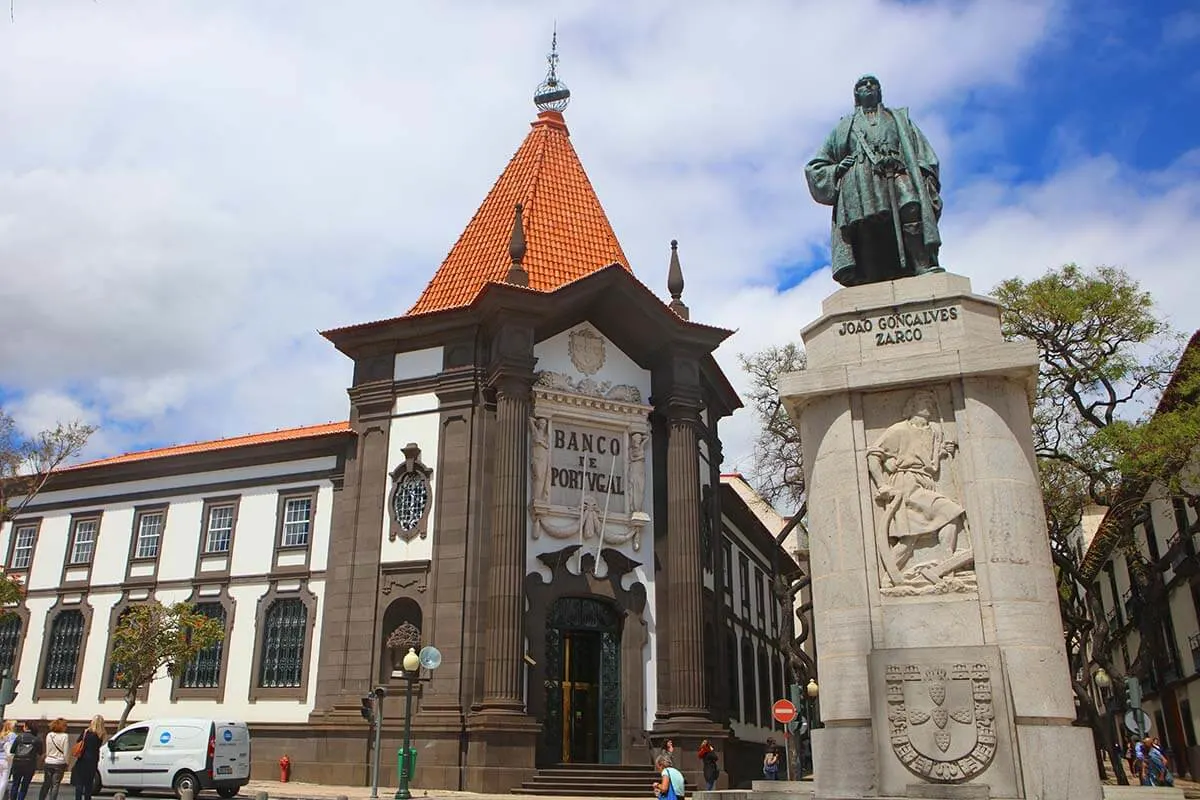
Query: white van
[{"x": 176, "y": 754}]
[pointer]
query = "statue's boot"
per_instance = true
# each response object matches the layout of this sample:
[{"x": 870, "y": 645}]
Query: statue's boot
[{"x": 923, "y": 262}]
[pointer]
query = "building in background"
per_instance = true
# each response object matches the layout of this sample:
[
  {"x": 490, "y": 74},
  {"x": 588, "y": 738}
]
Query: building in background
[
  {"x": 1163, "y": 538},
  {"x": 529, "y": 481}
]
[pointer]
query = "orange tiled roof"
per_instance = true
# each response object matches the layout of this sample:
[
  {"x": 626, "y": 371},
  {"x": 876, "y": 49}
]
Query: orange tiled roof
[
  {"x": 567, "y": 234},
  {"x": 287, "y": 434}
]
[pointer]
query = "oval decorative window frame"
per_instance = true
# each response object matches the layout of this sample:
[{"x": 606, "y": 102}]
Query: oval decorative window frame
[{"x": 402, "y": 475}]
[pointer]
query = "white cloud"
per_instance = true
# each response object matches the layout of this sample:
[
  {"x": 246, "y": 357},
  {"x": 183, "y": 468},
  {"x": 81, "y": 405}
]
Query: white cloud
[{"x": 190, "y": 190}]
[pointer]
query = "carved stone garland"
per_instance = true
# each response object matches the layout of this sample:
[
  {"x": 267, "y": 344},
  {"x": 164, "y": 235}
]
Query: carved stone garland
[
  {"x": 411, "y": 497},
  {"x": 978, "y": 713}
]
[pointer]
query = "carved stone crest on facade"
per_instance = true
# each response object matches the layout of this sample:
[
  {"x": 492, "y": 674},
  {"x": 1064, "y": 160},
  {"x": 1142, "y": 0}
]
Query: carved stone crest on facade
[
  {"x": 586, "y": 348},
  {"x": 942, "y": 722},
  {"x": 920, "y": 530}
]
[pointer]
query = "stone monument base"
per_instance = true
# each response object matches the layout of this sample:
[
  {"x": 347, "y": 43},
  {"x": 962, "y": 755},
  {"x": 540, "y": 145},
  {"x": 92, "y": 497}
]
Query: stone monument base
[{"x": 941, "y": 659}]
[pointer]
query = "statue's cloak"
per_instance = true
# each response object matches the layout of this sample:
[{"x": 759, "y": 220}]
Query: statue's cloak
[{"x": 854, "y": 207}]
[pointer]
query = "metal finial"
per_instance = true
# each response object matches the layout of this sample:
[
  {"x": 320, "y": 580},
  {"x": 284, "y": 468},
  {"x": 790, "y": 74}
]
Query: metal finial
[
  {"x": 516, "y": 250},
  {"x": 675, "y": 282},
  {"x": 552, "y": 94}
]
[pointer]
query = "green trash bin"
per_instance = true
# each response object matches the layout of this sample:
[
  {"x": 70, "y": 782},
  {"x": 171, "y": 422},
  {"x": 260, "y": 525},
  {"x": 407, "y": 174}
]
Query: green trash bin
[{"x": 407, "y": 757}]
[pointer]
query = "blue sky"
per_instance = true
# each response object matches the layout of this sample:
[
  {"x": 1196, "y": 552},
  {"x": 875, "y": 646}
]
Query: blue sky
[{"x": 190, "y": 189}]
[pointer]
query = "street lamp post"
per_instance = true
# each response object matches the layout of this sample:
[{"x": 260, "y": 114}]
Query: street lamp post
[{"x": 430, "y": 659}]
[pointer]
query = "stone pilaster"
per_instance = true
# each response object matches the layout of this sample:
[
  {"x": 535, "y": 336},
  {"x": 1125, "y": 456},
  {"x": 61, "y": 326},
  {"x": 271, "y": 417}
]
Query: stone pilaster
[
  {"x": 502, "y": 736},
  {"x": 503, "y": 670}
]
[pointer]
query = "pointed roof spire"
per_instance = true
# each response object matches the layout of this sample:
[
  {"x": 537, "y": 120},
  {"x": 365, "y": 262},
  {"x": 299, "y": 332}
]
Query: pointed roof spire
[
  {"x": 516, "y": 251},
  {"x": 552, "y": 94},
  {"x": 560, "y": 229},
  {"x": 675, "y": 282}
]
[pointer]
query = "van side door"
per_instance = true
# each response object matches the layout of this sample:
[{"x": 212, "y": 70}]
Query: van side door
[{"x": 122, "y": 759}]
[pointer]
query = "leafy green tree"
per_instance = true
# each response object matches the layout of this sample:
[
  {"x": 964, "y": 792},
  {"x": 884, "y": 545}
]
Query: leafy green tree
[
  {"x": 152, "y": 639},
  {"x": 1106, "y": 358},
  {"x": 27, "y": 464}
]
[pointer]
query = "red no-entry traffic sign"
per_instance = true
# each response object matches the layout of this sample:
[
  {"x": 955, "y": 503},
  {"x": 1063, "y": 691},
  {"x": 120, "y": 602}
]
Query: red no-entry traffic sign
[{"x": 784, "y": 711}]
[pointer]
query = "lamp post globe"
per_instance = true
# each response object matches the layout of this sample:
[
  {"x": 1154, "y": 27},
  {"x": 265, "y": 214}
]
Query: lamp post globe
[
  {"x": 1103, "y": 680},
  {"x": 412, "y": 661},
  {"x": 812, "y": 689}
]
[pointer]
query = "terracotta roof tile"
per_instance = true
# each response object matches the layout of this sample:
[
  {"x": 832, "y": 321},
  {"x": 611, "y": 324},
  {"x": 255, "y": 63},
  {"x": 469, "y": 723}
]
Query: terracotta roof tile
[
  {"x": 567, "y": 233},
  {"x": 287, "y": 434}
]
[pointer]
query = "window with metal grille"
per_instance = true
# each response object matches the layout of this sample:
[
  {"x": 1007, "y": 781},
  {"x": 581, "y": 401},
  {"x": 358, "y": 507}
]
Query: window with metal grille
[
  {"x": 764, "y": 688},
  {"x": 284, "y": 626},
  {"x": 62, "y": 651},
  {"x": 220, "y": 529},
  {"x": 149, "y": 534},
  {"x": 83, "y": 540},
  {"x": 297, "y": 517},
  {"x": 23, "y": 547},
  {"x": 10, "y": 640},
  {"x": 205, "y": 670}
]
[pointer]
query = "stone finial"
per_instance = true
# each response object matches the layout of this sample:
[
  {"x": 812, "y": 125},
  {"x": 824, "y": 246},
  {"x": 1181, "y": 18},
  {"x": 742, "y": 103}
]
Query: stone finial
[
  {"x": 516, "y": 250},
  {"x": 675, "y": 282}
]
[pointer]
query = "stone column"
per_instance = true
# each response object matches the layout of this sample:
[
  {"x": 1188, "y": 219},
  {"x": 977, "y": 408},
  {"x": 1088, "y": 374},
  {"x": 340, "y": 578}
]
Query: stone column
[
  {"x": 684, "y": 567},
  {"x": 505, "y": 647}
]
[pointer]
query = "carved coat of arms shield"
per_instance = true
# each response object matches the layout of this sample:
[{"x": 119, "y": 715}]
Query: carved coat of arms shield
[
  {"x": 586, "y": 348},
  {"x": 941, "y": 721}
]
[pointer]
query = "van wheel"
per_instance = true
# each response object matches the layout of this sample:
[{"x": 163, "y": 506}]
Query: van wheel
[
  {"x": 96, "y": 786},
  {"x": 185, "y": 780},
  {"x": 227, "y": 791}
]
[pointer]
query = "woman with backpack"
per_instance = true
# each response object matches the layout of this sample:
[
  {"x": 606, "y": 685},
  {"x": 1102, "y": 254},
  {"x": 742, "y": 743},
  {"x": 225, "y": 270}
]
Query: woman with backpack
[
  {"x": 87, "y": 758},
  {"x": 26, "y": 750}
]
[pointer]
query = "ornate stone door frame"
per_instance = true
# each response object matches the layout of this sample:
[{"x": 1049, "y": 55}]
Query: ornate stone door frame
[{"x": 631, "y": 606}]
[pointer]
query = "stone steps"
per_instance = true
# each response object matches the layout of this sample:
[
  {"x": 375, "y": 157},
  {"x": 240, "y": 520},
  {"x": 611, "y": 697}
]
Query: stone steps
[{"x": 590, "y": 780}]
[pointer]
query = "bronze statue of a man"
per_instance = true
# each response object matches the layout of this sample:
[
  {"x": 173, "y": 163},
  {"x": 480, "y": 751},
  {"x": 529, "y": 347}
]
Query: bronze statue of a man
[{"x": 880, "y": 174}]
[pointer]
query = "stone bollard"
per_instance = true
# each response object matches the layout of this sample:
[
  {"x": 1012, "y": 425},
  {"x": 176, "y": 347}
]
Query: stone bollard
[
  {"x": 342, "y": 797},
  {"x": 187, "y": 793},
  {"x": 260, "y": 796},
  {"x": 119, "y": 796}
]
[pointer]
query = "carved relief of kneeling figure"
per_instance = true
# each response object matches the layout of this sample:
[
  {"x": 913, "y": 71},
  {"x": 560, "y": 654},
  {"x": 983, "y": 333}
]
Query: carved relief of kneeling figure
[{"x": 904, "y": 465}]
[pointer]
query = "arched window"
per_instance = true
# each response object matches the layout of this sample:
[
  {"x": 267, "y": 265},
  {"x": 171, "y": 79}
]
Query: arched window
[
  {"x": 764, "y": 687},
  {"x": 731, "y": 671},
  {"x": 10, "y": 640},
  {"x": 114, "y": 668},
  {"x": 749, "y": 692},
  {"x": 283, "y": 633},
  {"x": 205, "y": 670},
  {"x": 62, "y": 651}
]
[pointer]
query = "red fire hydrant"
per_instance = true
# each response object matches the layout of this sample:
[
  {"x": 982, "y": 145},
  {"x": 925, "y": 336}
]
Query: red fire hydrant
[{"x": 285, "y": 769}]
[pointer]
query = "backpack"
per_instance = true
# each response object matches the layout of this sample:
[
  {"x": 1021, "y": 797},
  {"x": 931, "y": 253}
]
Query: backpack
[{"x": 25, "y": 748}]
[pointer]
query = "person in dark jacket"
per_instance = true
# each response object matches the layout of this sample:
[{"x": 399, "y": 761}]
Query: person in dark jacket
[
  {"x": 708, "y": 755},
  {"x": 87, "y": 758},
  {"x": 26, "y": 749}
]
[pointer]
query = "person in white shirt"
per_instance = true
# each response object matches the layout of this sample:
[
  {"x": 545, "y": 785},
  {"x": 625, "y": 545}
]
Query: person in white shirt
[{"x": 57, "y": 744}]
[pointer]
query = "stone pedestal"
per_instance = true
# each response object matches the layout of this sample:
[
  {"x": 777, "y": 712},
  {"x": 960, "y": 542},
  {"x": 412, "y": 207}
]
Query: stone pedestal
[{"x": 941, "y": 658}]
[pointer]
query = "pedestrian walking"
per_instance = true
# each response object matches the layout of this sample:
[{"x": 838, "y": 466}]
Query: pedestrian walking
[
  {"x": 26, "y": 750},
  {"x": 87, "y": 758},
  {"x": 55, "y": 765}
]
